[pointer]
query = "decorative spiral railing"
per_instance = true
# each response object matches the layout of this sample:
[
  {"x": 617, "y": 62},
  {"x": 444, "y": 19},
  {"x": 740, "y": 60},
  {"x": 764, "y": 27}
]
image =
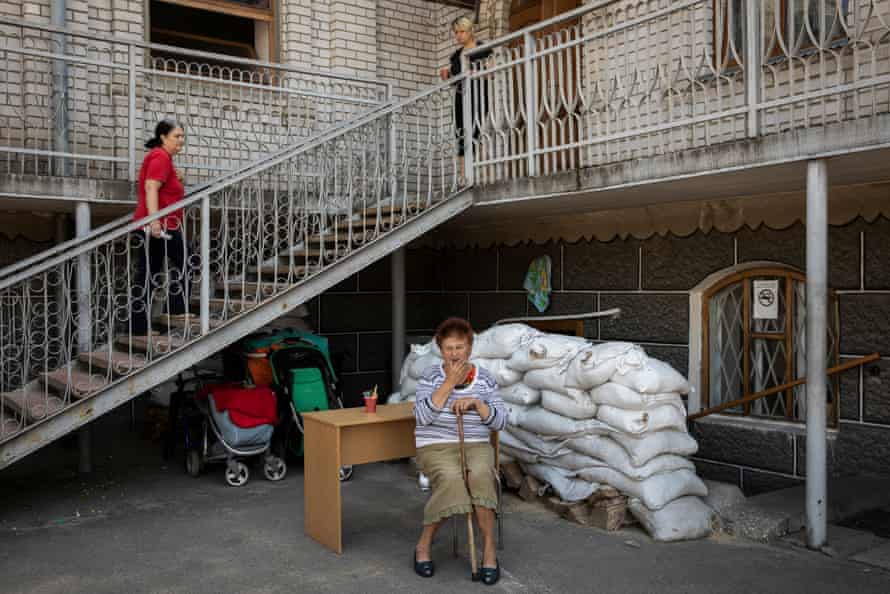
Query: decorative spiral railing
[
  {"x": 79, "y": 105},
  {"x": 617, "y": 80},
  {"x": 70, "y": 323}
]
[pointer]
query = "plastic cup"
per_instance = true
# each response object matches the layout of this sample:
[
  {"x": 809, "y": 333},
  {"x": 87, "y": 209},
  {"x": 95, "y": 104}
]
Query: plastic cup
[{"x": 370, "y": 402}]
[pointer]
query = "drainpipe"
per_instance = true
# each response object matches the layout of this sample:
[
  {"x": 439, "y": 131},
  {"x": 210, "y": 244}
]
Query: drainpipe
[
  {"x": 59, "y": 18},
  {"x": 816, "y": 341},
  {"x": 398, "y": 314},
  {"x": 84, "y": 325}
]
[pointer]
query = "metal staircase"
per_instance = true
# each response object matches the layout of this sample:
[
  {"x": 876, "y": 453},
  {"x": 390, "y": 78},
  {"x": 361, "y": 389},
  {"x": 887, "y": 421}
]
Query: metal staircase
[{"x": 261, "y": 241}]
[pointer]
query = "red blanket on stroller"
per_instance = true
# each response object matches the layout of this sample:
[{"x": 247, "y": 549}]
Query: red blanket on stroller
[{"x": 248, "y": 407}]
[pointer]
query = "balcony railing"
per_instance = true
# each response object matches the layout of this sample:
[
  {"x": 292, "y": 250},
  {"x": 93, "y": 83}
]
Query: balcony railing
[
  {"x": 618, "y": 80},
  {"x": 80, "y": 105}
]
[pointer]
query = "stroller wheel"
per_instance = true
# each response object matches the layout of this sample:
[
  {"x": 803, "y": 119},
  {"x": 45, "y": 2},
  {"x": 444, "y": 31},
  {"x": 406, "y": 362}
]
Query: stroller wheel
[
  {"x": 275, "y": 469},
  {"x": 345, "y": 473},
  {"x": 237, "y": 474},
  {"x": 194, "y": 464}
]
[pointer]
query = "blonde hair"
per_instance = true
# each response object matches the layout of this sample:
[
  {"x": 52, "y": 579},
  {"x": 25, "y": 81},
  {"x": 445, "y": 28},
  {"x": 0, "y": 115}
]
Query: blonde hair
[{"x": 462, "y": 24}]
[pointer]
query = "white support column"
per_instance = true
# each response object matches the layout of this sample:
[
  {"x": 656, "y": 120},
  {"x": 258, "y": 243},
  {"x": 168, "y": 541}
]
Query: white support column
[
  {"x": 816, "y": 343},
  {"x": 84, "y": 323},
  {"x": 398, "y": 314}
]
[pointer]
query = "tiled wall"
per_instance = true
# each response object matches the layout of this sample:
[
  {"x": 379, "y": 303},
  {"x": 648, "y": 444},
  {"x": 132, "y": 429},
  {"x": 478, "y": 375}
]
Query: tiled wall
[{"x": 649, "y": 279}]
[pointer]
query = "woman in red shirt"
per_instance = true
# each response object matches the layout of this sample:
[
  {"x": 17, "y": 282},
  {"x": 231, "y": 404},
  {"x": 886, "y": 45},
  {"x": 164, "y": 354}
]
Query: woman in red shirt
[{"x": 162, "y": 239}]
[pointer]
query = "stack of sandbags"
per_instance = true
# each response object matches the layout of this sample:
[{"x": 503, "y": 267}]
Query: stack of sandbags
[{"x": 582, "y": 416}]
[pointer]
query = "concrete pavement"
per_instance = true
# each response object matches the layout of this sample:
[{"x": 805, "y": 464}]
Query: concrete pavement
[{"x": 137, "y": 525}]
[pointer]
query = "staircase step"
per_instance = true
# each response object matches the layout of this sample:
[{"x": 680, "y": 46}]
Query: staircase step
[
  {"x": 280, "y": 270},
  {"x": 119, "y": 363},
  {"x": 367, "y": 223},
  {"x": 9, "y": 427},
  {"x": 387, "y": 209},
  {"x": 193, "y": 320},
  {"x": 33, "y": 402},
  {"x": 230, "y": 304},
  {"x": 159, "y": 344},
  {"x": 249, "y": 288},
  {"x": 358, "y": 235},
  {"x": 74, "y": 381}
]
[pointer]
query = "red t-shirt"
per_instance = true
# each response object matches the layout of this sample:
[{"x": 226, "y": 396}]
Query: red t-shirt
[{"x": 158, "y": 166}]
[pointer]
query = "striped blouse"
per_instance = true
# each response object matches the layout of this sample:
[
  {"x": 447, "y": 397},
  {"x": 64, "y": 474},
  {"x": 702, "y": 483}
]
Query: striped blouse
[{"x": 439, "y": 425}]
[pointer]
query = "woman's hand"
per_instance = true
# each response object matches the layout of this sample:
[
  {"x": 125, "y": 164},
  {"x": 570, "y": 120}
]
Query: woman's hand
[
  {"x": 456, "y": 372},
  {"x": 156, "y": 229},
  {"x": 445, "y": 73},
  {"x": 463, "y": 405}
]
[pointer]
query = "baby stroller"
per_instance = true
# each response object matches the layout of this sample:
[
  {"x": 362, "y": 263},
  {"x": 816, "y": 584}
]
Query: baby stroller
[
  {"x": 229, "y": 422},
  {"x": 297, "y": 364}
]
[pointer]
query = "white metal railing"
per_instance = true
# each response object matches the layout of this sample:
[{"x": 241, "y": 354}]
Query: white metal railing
[
  {"x": 73, "y": 104},
  {"x": 618, "y": 80},
  {"x": 69, "y": 323}
]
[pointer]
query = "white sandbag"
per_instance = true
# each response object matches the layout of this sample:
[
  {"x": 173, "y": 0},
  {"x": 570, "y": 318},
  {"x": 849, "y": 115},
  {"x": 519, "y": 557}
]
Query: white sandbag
[
  {"x": 498, "y": 368},
  {"x": 604, "y": 448},
  {"x": 563, "y": 482},
  {"x": 643, "y": 448},
  {"x": 685, "y": 518},
  {"x": 515, "y": 413},
  {"x": 595, "y": 364},
  {"x": 516, "y": 448},
  {"x": 549, "y": 378},
  {"x": 549, "y": 424},
  {"x": 654, "y": 377},
  {"x": 546, "y": 350},
  {"x": 394, "y": 398},
  {"x": 499, "y": 342},
  {"x": 576, "y": 404},
  {"x": 421, "y": 364},
  {"x": 409, "y": 386},
  {"x": 636, "y": 422},
  {"x": 410, "y": 398},
  {"x": 621, "y": 396},
  {"x": 406, "y": 365},
  {"x": 518, "y": 455},
  {"x": 656, "y": 491},
  {"x": 573, "y": 461},
  {"x": 519, "y": 394},
  {"x": 547, "y": 448}
]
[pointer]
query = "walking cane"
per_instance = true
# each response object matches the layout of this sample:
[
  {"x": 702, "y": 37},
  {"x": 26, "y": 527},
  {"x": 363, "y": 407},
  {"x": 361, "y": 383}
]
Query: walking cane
[{"x": 465, "y": 473}]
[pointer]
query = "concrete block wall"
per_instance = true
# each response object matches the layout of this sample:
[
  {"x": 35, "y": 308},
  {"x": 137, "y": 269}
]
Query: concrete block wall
[{"x": 650, "y": 279}]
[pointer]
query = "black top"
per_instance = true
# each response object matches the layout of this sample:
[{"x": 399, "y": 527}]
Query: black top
[{"x": 455, "y": 59}]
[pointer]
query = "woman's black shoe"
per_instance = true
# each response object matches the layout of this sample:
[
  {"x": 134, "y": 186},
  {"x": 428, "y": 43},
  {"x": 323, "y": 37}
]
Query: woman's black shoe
[
  {"x": 491, "y": 575},
  {"x": 424, "y": 568}
]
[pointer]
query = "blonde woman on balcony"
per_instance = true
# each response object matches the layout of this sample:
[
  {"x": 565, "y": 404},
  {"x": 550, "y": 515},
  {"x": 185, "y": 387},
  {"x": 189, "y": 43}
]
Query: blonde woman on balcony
[
  {"x": 160, "y": 186},
  {"x": 465, "y": 36}
]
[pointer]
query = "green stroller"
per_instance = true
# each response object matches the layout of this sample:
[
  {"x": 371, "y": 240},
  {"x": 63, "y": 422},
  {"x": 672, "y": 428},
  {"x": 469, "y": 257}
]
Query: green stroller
[{"x": 297, "y": 365}]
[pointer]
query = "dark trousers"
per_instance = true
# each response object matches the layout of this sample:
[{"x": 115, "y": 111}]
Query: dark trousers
[{"x": 150, "y": 271}]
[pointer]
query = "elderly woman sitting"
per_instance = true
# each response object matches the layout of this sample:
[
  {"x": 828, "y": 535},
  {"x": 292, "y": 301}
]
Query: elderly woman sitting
[{"x": 454, "y": 387}]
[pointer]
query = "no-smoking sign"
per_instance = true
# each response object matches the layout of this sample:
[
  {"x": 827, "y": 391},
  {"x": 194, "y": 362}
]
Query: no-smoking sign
[{"x": 766, "y": 299}]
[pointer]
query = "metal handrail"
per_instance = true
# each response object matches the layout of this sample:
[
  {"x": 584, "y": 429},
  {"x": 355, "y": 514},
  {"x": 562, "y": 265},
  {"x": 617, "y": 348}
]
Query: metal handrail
[
  {"x": 195, "y": 192},
  {"x": 782, "y": 387},
  {"x": 111, "y": 231}
]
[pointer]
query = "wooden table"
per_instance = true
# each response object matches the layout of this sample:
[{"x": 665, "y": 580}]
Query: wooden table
[{"x": 334, "y": 438}]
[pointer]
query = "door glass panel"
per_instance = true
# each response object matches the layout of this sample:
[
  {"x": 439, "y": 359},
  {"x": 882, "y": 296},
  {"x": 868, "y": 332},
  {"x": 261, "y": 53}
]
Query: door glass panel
[{"x": 726, "y": 346}]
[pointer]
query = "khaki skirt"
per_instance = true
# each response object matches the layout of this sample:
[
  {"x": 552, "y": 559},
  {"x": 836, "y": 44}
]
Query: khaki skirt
[{"x": 441, "y": 464}]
